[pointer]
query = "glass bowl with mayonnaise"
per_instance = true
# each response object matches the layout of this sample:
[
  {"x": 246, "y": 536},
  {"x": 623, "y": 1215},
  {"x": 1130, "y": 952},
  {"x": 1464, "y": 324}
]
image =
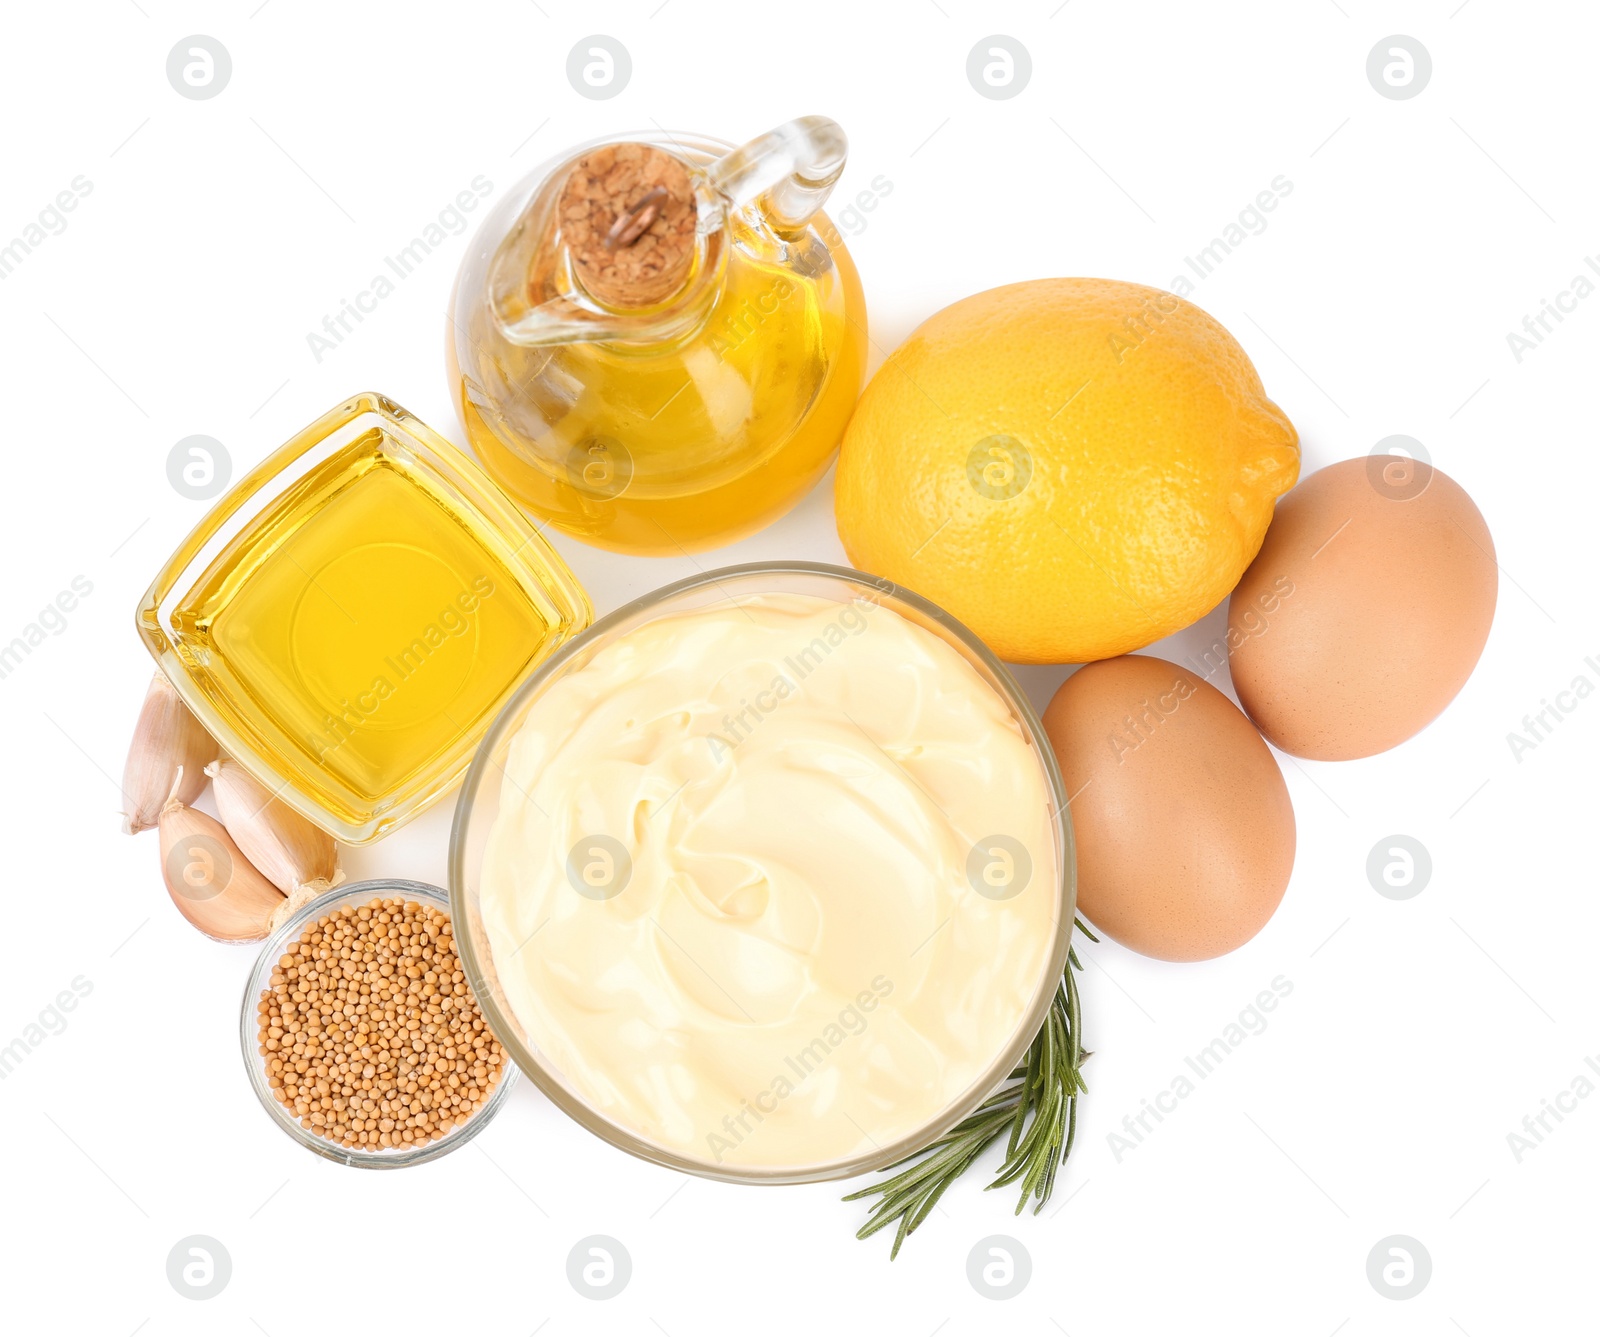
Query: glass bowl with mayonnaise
[{"x": 768, "y": 876}]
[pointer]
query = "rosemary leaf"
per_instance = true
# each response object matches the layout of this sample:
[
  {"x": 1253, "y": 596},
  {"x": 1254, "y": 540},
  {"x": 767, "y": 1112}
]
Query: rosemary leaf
[{"x": 1037, "y": 1109}]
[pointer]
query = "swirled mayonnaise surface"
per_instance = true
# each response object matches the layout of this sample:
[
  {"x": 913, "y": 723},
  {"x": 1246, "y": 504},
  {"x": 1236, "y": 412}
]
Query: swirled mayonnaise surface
[{"x": 772, "y": 883}]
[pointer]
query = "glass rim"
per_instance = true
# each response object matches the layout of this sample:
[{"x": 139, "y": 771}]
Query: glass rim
[
  {"x": 549, "y": 1081},
  {"x": 255, "y": 1065}
]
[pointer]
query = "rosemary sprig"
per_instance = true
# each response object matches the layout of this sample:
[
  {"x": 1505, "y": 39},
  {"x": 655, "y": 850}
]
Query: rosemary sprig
[{"x": 1039, "y": 1105}]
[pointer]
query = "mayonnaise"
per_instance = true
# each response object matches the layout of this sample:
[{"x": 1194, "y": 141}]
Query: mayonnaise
[{"x": 772, "y": 883}]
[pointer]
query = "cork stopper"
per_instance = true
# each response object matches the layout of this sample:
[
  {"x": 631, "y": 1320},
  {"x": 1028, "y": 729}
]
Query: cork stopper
[{"x": 628, "y": 219}]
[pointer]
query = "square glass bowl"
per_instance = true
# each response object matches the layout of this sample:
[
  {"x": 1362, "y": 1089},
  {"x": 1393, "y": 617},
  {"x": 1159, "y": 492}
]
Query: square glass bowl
[{"x": 352, "y": 615}]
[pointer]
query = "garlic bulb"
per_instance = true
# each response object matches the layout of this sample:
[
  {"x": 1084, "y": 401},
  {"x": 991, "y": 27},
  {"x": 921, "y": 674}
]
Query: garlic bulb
[
  {"x": 288, "y": 850},
  {"x": 209, "y": 879},
  {"x": 168, "y": 742}
]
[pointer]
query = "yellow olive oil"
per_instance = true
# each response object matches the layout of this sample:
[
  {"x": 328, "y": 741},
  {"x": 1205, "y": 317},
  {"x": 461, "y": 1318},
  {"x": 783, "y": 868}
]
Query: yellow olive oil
[
  {"x": 662, "y": 448},
  {"x": 361, "y": 627}
]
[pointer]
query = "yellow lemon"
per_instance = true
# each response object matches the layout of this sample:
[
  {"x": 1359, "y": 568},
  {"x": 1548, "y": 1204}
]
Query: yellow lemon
[{"x": 1073, "y": 467}]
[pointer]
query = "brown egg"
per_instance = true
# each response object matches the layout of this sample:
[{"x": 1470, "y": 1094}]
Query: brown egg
[
  {"x": 1183, "y": 826},
  {"x": 1365, "y": 610}
]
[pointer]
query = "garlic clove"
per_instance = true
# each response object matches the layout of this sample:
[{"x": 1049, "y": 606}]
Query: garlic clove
[
  {"x": 300, "y": 896},
  {"x": 168, "y": 742},
  {"x": 287, "y": 849},
  {"x": 213, "y": 885}
]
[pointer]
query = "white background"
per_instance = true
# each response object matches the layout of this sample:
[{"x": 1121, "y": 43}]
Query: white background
[{"x": 1418, "y": 1034}]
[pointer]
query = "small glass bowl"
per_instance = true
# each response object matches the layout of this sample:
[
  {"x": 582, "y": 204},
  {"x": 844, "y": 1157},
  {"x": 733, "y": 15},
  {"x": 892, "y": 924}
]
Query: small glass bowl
[
  {"x": 395, "y": 1158},
  {"x": 479, "y": 804}
]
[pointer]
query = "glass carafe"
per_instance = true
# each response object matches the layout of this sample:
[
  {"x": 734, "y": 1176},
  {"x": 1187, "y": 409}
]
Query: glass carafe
[{"x": 655, "y": 342}]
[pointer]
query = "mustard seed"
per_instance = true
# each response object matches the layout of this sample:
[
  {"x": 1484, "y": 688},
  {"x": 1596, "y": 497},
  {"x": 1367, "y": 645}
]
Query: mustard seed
[{"x": 367, "y": 1027}]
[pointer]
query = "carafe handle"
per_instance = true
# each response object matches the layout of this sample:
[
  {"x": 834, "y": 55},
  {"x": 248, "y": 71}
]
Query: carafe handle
[{"x": 787, "y": 173}]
